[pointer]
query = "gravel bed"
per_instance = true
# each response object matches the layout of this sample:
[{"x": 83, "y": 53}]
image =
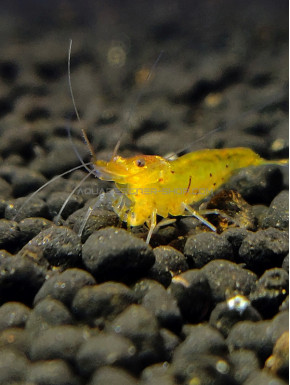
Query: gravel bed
[{"x": 104, "y": 308}]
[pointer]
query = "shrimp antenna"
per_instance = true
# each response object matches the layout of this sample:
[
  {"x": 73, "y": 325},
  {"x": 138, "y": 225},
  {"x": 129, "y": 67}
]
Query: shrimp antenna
[
  {"x": 46, "y": 184},
  {"x": 223, "y": 125},
  {"x": 116, "y": 149},
  {"x": 78, "y": 155},
  {"x": 74, "y": 103},
  {"x": 184, "y": 150}
]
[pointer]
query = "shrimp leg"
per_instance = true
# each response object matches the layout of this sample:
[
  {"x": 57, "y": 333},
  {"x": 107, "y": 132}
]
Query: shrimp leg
[
  {"x": 151, "y": 224},
  {"x": 199, "y": 217}
]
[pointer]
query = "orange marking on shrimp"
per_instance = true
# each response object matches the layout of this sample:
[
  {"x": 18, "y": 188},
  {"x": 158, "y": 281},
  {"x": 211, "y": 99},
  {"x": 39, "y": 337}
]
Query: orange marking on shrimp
[{"x": 189, "y": 183}]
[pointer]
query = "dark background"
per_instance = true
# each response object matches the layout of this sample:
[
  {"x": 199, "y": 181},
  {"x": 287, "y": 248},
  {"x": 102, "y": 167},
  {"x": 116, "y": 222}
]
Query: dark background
[{"x": 224, "y": 64}]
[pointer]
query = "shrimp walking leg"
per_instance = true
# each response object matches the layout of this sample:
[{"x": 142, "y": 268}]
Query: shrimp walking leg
[
  {"x": 152, "y": 225},
  {"x": 163, "y": 222},
  {"x": 198, "y": 216},
  {"x": 85, "y": 220}
]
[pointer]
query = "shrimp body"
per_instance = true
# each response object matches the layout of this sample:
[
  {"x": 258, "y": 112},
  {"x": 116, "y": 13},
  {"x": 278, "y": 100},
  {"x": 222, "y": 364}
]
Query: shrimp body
[{"x": 154, "y": 186}]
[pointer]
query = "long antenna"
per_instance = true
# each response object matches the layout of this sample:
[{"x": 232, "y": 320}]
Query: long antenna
[
  {"x": 46, "y": 184},
  {"x": 74, "y": 103},
  {"x": 116, "y": 149},
  {"x": 223, "y": 125}
]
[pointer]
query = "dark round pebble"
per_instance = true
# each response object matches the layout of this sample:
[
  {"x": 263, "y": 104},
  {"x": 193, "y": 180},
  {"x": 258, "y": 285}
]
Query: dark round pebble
[
  {"x": 10, "y": 235},
  {"x": 168, "y": 262},
  {"x": 13, "y": 314},
  {"x": 60, "y": 246},
  {"x": 46, "y": 314},
  {"x": 279, "y": 325},
  {"x": 159, "y": 273},
  {"x": 164, "y": 306},
  {"x": 173, "y": 260},
  {"x": 13, "y": 366},
  {"x": 30, "y": 227},
  {"x": 278, "y": 362},
  {"x": 56, "y": 201},
  {"x": 253, "y": 336},
  {"x": 20, "y": 278},
  {"x": 285, "y": 264},
  {"x": 22, "y": 208},
  {"x": 228, "y": 313},
  {"x": 270, "y": 291},
  {"x": 16, "y": 339},
  {"x": 104, "y": 200},
  {"x": 35, "y": 254},
  {"x": 51, "y": 372},
  {"x": 201, "y": 339},
  {"x": 202, "y": 369},
  {"x": 5, "y": 189},
  {"x": 14, "y": 159},
  {"x": 285, "y": 305},
  {"x": 260, "y": 212},
  {"x": 141, "y": 327},
  {"x": 189, "y": 226},
  {"x": 170, "y": 341},
  {"x": 257, "y": 184},
  {"x": 97, "y": 220},
  {"x": 193, "y": 295},
  {"x": 23, "y": 180},
  {"x": 5, "y": 254},
  {"x": 278, "y": 213},
  {"x": 226, "y": 279},
  {"x": 108, "y": 375},
  {"x": 115, "y": 254},
  {"x": 264, "y": 249},
  {"x": 97, "y": 303},
  {"x": 105, "y": 349},
  {"x": 3, "y": 204},
  {"x": 59, "y": 342},
  {"x": 13, "y": 143},
  {"x": 244, "y": 363},
  {"x": 235, "y": 236},
  {"x": 204, "y": 247},
  {"x": 64, "y": 286},
  {"x": 263, "y": 378},
  {"x": 158, "y": 374},
  {"x": 163, "y": 236},
  {"x": 60, "y": 158},
  {"x": 143, "y": 286},
  {"x": 55, "y": 185}
]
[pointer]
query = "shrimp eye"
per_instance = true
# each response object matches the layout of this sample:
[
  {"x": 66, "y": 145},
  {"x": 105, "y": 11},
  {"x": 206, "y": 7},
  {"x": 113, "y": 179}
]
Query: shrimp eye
[{"x": 140, "y": 162}]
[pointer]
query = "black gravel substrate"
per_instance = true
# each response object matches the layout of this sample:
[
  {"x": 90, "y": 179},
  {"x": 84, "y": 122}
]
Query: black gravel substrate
[{"x": 104, "y": 308}]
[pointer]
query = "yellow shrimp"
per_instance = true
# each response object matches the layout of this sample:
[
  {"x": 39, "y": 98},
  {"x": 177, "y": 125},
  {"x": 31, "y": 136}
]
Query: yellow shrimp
[
  {"x": 156, "y": 186},
  {"x": 152, "y": 185}
]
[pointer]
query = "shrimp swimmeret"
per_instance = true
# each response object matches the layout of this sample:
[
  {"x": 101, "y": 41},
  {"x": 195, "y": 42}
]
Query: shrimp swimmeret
[{"x": 156, "y": 186}]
